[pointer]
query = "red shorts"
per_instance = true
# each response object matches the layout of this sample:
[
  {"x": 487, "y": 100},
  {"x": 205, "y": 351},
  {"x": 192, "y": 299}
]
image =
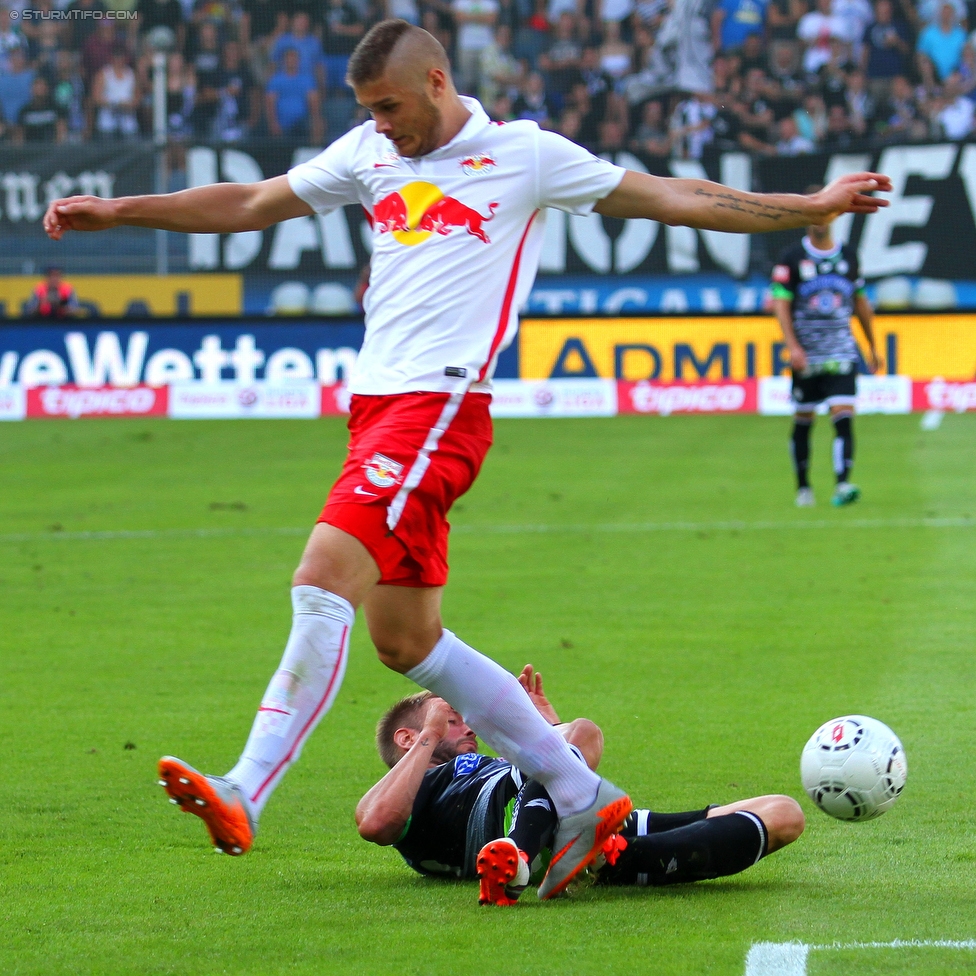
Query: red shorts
[{"x": 410, "y": 456}]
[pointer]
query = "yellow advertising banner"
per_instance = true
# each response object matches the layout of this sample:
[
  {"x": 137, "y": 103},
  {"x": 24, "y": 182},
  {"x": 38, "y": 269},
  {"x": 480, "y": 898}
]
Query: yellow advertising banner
[
  {"x": 136, "y": 295},
  {"x": 736, "y": 347}
]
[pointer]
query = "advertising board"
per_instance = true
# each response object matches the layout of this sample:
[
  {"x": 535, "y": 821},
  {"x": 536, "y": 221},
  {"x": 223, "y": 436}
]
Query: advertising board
[{"x": 692, "y": 348}]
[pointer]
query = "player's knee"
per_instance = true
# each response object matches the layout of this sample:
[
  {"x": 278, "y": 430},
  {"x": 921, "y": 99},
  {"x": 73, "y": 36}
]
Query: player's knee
[
  {"x": 784, "y": 820},
  {"x": 587, "y": 736}
]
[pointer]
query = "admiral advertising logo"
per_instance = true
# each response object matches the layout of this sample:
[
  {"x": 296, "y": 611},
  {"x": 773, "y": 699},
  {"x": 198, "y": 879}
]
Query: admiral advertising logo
[
  {"x": 382, "y": 471},
  {"x": 417, "y": 210}
]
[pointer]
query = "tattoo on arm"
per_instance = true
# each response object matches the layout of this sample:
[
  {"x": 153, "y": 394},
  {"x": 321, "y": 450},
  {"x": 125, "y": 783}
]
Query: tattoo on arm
[
  {"x": 755, "y": 208},
  {"x": 425, "y": 741}
]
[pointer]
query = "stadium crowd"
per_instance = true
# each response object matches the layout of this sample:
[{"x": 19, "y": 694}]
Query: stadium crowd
[{"x": 665, "y": 78}]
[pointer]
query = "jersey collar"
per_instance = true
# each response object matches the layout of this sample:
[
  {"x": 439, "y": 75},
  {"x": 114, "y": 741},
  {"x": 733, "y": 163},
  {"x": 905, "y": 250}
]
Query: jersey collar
[
  {"x": 816, "y": 253},
  {"x": 477, "y": 121}
]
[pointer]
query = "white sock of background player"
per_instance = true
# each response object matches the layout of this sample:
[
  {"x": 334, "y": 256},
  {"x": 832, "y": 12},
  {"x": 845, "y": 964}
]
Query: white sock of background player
[
  {"x": 495, "y": 705},
  {"x": 300, "y": 693}
]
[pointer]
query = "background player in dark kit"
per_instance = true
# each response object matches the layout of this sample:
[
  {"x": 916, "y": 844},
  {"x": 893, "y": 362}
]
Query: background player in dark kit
[
  {"x": 816, "y": 289},
  {"x": 451, "y": 812}
]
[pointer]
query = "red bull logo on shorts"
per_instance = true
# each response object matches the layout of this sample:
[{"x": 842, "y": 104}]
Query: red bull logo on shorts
[
  {"x": 417, "y": 210},
  {"x": 382, "y": 471}
]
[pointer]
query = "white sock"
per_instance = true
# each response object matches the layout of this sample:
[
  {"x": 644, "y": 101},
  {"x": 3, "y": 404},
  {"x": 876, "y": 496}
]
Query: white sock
[
  {"x": 495, "y": 705},
  {"x": 301, "y": 692}
]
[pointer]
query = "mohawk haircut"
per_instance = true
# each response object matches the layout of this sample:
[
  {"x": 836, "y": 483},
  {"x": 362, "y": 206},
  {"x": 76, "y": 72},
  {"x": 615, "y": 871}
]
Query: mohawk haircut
[
  {"x": 368, "y": 61},
  {"x": 405, "y": 714}
]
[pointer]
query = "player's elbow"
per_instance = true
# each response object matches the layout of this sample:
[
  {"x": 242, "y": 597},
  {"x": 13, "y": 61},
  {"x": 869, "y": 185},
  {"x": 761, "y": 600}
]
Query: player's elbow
[{"x": 377, "y": 828}]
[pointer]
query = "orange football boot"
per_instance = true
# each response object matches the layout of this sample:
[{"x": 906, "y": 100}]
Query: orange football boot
[
  {"x": 215, "y": 800},
  {"x": 504, "y": 872}
]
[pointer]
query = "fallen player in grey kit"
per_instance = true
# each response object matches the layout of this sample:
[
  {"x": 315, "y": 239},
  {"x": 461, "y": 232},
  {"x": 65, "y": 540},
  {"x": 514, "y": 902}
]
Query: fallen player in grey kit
[{"x": 452, "y": 812}]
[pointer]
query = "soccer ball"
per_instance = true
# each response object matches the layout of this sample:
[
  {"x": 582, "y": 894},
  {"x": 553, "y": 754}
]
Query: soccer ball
[{"x": 853, "y": 768}]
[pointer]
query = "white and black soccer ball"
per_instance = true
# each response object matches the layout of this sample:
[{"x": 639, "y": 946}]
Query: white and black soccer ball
[{"x": 853, "y": 767}]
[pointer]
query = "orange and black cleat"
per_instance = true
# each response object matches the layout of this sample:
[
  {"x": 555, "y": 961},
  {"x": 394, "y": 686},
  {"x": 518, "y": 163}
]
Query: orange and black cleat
[
  {"x": 215, "y": 800},
  {"x": 504, "y": 872},
  {"x": 580, "y": 837}
]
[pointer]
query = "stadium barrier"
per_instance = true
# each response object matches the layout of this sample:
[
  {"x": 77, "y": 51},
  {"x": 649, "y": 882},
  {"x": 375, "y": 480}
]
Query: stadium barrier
[{"x": 513, "y": 398}]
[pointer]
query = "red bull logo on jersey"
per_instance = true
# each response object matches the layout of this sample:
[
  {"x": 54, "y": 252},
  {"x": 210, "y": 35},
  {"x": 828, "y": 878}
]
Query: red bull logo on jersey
[
  {"x": 416, "y": 211},
  {"x": 479, "y": 163},
  {"x": 382, "y": 471}
]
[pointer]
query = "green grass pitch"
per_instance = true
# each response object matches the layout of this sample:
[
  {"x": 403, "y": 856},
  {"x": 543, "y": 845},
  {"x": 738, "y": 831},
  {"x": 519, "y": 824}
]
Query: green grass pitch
[{"x": 655, "y": 571}]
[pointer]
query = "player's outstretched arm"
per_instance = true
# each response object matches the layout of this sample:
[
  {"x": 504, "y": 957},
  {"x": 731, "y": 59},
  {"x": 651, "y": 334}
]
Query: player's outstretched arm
[
  {"x": 384, "y": 811},
  {"x": 711, "y": 206},
  {"x": 220, "y": 208}
]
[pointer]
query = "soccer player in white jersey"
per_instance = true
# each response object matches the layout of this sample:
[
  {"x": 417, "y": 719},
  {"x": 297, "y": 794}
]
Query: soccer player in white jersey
[{"x": 457, "y": 205}]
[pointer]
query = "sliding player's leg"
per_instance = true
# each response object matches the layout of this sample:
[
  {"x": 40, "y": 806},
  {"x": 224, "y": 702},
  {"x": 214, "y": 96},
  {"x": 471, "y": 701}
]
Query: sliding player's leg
[
  {"x": 495, "y": 705},
  {"x": 335, "y": 573},
  {"x": 663, "y": 849}
]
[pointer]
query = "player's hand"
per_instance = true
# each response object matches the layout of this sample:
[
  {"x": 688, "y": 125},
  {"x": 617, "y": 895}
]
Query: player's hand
[
  {"x": 437, "y": 720},
  {"x": 531, "y": 681},
  {"x": 851, "y": 194},
  {"x": 79, "y": 213},
  {"x": 798, "y": 358},
  {"x": 875, "y": 362}
]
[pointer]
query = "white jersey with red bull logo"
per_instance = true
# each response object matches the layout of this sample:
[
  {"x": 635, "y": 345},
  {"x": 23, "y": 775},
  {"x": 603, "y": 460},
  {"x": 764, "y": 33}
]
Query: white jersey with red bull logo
[{"x": 457, "y": 237}]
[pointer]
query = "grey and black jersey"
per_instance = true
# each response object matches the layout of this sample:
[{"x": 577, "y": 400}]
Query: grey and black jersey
[{"x": 821, "y": 287}]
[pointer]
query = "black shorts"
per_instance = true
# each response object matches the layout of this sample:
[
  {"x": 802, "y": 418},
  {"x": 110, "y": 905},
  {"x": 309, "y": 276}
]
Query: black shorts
[{"x": 829, "y": 388}]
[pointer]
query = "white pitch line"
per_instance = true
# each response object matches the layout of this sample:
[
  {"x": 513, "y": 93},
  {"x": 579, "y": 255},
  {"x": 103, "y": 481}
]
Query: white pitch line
[
  {"x": 960, "y": 522},
  {"x": 790, "y": 958}
]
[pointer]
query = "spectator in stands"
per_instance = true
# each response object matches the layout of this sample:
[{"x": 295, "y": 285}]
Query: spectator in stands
[
  {"x": 40, "y": 120},
  {"x": 953, "y": 112},
  {"x": 783, "y": 70},
  {"x": 651, "y": 138},
  {"x": 299, "y": 38},
  {"x": 860, "y": 103},
  {"x": 98, "y": 49},
  {"x": 691, "y": 127},
  {"x": 85, "y": 23},
  {"x": 614, "y": 11},
  {"x": 258, "y": 20},
  {"x": 562, "y": 60},
  {"x": 817, "y": 30},
  {"x": 615, "y": 124},
  {"x": 239, "y": 105},
  {"x": 342, "y": 27},
  {"x": 616, "y": 55},
  {"x": 181, "y": 88},
  {"x": 53, "y": 298},
  {"x": 929, "y": 11},
  {"x": 685, "y": 45},
  {"x": 501, "y": 71},
  {"x": 739, "y": 20},
  {"x": 292, "y": 102},
  {"x": 206, "y": 68},
  {"x": 790, "y": 142},
  {"x": 753, "y": 106},
  {"x": 115, "y": 97},
  {"x": 853, "y": 17},
  {"x": 904, "y": 119},
  {"x": 782, "y": 18},
  {"x": 886, "y": 50},
  {"x": 940, "y": 47},
  {"x": 650, "y": 14},
  {"x": 162, "y": 13},
  {"x": 475, "y": 21},
  {"x": 15, "y": 86},
  {"x": 533, "y": 102},
  {"x": 68, "y": 92},
  {"x": 840, "y": 133},
  {"x": 752, "y": 54},
  {"x": 811, "y": 118},
  {"x": 45, "y": 46}
]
